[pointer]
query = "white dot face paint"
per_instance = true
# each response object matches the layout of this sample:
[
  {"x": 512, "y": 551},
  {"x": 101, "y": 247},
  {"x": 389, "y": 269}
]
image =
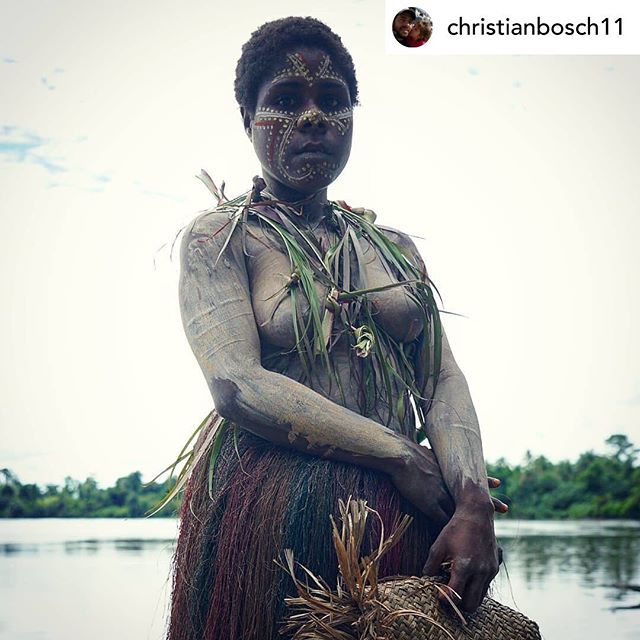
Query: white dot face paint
[{"x": 303, "y": 122}]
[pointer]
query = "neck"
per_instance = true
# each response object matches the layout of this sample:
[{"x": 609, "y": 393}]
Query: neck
[{"x": 311, "y": 207}]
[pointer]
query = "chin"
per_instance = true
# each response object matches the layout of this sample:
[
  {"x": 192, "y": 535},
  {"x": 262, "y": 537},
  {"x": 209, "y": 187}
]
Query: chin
[{"x": 312, "y": 176}]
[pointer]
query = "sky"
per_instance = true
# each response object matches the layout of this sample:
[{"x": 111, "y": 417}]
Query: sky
[{"x": 518, "y": 176}]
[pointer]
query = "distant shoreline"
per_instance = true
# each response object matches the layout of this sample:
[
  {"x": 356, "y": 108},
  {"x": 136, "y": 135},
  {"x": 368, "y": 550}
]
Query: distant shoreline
[{"x": 595, "y": 487}]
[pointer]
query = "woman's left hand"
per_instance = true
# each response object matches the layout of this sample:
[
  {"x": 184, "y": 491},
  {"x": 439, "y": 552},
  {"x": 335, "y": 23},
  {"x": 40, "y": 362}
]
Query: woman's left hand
[{"x": 467, "y": 548}]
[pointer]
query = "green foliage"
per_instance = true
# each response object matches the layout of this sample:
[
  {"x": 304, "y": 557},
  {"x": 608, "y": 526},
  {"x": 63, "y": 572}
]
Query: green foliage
[
  {"x": 128, "y": 498},
  {"x": 595, "y": 486}
]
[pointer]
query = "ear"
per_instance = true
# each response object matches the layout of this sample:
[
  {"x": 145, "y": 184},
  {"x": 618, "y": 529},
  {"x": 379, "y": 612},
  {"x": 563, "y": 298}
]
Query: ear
[{"x": 247, "y": 120}]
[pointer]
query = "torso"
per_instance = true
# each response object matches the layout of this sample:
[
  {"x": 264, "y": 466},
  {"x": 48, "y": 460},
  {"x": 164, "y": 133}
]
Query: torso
[{"x": 269, "y": 272}]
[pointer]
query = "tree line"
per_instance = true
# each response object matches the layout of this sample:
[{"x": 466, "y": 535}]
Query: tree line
[
  {"x": 595, "y": 486},
  {"x": 129, "y": 497}
]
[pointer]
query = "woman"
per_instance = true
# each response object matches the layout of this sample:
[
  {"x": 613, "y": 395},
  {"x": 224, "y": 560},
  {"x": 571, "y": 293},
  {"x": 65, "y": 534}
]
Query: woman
[{"x": 319, "y": 383}]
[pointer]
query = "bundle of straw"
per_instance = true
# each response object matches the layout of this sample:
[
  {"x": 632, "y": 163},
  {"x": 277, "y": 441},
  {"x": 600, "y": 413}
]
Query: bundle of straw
[{"x": 364, "y": 608}]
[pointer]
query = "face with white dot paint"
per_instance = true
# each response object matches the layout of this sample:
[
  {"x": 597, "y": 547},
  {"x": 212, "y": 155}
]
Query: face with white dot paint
[{"x": 302, "y": 126}]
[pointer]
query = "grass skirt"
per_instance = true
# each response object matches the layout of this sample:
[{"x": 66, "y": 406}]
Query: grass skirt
[{"x": 226, "y": 585}]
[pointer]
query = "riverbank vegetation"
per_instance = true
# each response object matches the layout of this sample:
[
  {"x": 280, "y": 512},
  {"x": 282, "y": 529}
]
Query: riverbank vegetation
[
  {"x": 129, "y": 497},
  {"x": 595, "y": 486}
]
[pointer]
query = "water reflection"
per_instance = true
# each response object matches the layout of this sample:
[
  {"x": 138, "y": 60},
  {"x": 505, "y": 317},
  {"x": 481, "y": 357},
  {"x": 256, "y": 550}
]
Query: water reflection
[
  {"x": 593, "y": 559},
  {"x": 90, "y": 547},
  {"x": 576, "y": 579},
  {"x": 87, "y": 547},
  {"x": 593, "y": 569},
  {"x": 13, "y": 548}
]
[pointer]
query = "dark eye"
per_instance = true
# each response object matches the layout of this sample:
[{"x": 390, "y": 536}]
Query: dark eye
[
  {"x": 285, "y": 101},
  {"x": 331, "y": 102}
]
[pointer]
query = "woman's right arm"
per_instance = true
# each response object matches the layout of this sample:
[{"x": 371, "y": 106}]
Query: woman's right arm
[{"x": 219, "y": 322}]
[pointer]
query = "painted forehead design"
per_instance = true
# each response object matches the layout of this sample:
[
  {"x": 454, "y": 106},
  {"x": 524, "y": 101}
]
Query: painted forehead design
[{"x": 297, "y": 67}]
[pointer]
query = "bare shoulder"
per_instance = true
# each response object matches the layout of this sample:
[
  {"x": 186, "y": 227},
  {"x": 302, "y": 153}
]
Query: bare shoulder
[
  {"x": 211, "y": 239},
  {"x": 401, "y": 239},
  {"x": 406, "y": 243},
  {"x": 219, "y": 223},
  {"x": 209, "y": 221}
]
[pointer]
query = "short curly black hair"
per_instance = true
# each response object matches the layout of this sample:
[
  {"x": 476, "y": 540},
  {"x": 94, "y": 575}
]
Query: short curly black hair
[{"x": 265, "y": 46}]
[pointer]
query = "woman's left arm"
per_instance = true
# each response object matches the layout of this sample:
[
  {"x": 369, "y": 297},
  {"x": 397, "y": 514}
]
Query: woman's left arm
[
  {"x": 467, "y": 544},
  {"x": 468, "y": 541}
]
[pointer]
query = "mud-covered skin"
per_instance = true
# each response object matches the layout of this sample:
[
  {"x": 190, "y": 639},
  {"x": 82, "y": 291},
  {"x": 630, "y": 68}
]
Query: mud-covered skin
[
  {"x": 221, "y": 325},
  {"x": 268, "y": 269},
  {"x": 232, "y": 319},
  {"x": 229, "y": 317}
]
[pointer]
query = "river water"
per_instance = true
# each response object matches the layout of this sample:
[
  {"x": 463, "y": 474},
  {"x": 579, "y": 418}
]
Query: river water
[{"x": 106, "y": 579}]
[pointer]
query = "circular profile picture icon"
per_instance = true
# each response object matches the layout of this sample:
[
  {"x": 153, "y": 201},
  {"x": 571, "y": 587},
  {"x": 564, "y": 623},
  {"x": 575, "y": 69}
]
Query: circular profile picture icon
[{"x": 412, "y": 27}]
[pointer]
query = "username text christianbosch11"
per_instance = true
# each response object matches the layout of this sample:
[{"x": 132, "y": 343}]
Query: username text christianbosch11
[{"x": 539, "y": 27}]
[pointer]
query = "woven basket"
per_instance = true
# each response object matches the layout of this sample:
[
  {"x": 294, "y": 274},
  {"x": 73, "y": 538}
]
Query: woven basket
[
  {"x": 491, "y": 621},
  {"x": 365, "y": 608}
]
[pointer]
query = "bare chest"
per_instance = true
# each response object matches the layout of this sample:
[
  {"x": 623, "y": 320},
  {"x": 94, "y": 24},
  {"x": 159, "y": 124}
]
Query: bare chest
[{"x": 278, "y": 302}]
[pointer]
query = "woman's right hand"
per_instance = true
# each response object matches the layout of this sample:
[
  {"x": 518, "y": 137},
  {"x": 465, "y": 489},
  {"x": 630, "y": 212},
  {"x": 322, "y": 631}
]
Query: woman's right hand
[{"x": 420, "y": 481}]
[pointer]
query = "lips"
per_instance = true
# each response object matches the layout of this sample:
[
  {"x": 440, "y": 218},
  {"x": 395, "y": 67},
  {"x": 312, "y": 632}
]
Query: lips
[{"x": 312, "y": 148}]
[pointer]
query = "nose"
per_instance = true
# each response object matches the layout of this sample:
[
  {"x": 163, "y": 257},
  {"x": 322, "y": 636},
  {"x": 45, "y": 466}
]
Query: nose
[{"x": 312, "y": 119}]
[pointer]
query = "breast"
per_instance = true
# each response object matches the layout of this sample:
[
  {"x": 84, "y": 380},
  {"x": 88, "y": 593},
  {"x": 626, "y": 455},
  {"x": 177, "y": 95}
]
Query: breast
[
  {"x": 271, "y": 297},
  {"x": 270, "y": 278},
  {"x": 395, "y": 311}
]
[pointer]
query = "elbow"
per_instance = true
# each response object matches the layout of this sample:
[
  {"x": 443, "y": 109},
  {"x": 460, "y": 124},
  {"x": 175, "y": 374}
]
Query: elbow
[
  {"x": 226, "y": 396},
  {"x": 230, "y": 394}
]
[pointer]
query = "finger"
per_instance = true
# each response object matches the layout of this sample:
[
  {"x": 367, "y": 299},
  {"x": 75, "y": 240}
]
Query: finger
[
  {"x": 474, "y": 593},
  {"x": 499, "y": 506},
  {"x": 457, "y": 587},
  {"x": 493, "y": 483},
  {"x": 434, "y": 561}
]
